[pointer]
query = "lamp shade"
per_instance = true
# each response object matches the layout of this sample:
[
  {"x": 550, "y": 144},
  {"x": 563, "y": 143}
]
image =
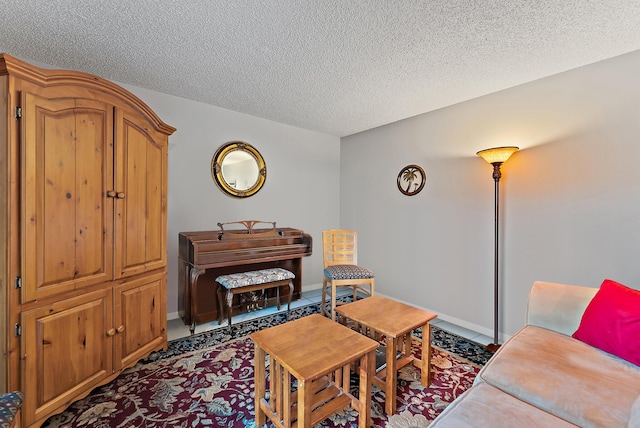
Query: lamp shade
[{"x": 497, "y": 154}]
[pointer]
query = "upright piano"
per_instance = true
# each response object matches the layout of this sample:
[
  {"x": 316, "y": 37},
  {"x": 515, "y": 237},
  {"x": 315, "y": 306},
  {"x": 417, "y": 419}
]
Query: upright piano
[{"x": 205, "y": 255}]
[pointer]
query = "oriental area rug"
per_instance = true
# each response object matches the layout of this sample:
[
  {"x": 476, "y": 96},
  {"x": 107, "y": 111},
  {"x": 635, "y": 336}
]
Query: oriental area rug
[{"x": 206, "y": 380}]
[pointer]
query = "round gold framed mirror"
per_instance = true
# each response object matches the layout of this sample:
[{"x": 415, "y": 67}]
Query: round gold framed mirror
[{"x": 238, "y": 169}]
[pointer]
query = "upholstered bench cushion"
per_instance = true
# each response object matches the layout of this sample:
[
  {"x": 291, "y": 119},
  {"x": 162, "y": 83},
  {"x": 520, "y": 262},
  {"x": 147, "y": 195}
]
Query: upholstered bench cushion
[
  {"x": 347, "y": 272},
  {"x": 254, "y": 277},
  {"x": 9, "y": 405}
]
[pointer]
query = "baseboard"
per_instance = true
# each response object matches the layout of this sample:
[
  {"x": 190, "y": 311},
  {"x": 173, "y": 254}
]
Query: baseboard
[{"x": 444, "y": 317}]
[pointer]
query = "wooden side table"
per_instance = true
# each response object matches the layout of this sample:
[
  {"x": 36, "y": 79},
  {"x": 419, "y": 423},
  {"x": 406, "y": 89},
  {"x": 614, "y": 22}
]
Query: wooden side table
[
  {"x": 318, "y": 353},
  {"x": 396, "y": 321}
]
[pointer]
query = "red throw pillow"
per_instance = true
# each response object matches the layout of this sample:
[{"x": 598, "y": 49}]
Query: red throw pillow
[{"x": 611, "y": 321}]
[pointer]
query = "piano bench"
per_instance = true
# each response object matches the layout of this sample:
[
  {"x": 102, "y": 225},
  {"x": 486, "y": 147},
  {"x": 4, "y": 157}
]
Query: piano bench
[{"x": 244, "y": 282}]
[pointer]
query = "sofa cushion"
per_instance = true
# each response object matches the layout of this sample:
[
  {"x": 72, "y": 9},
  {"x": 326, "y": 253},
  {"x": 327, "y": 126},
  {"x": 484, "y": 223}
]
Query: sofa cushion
[
  {"x": 611, "y": 321},
  {"x": 486, "y": 406},
  {"x": 566, "y": 377},
  {"x": 558, "y": 307},
  {"x": 634, "y": 421}
]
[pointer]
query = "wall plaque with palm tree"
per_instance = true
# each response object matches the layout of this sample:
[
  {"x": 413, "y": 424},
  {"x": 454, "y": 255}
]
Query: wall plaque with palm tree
[{"x": 411, "y": 180}]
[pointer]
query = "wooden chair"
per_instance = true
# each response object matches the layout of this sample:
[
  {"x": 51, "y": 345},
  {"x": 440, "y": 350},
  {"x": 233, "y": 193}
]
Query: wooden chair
[{"x": 340, "y": 254}]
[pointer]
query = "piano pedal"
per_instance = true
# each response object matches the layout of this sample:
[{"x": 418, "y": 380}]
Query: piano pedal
[{"x": 252, "y": 300}]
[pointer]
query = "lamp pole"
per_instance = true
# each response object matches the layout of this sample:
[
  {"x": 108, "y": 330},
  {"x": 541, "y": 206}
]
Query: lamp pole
[
  {"x": 496, "y": 157},
  {"x": 493, "y": 347}
]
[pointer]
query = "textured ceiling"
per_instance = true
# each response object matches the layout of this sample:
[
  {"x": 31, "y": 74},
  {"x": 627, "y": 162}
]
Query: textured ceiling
[{"x": 334, "y": 66}]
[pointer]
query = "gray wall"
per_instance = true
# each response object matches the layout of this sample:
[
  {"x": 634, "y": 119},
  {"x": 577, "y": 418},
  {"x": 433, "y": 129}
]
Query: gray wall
[
  {"x": 303, "y": 177},
  {"x": 570, "y": 198}
]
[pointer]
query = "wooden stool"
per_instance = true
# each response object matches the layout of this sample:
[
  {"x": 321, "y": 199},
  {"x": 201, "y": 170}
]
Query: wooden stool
[{"x": 245, "y": 282}]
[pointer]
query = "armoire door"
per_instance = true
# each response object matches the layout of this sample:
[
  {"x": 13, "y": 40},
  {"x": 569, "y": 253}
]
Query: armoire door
[
  {"x": 140, "y": 318},
  {"x": 68, "y": 349},
  {"x": 67, "y": 171},
  {"x": 141, "y": 189}
]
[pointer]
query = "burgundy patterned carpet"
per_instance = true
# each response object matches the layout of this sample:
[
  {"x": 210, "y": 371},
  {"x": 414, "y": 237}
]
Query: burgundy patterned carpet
[{"x": 207, "y": 381}]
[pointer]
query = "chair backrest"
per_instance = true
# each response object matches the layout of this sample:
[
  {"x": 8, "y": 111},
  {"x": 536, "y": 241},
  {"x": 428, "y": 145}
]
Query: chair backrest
[{"x": 339, "y": 247}]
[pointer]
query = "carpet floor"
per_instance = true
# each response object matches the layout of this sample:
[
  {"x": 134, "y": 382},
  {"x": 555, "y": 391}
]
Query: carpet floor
[{"x": 206, "y": 380}]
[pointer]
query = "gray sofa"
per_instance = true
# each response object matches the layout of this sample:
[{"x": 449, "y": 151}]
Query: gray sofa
[{"x": 542, "y": 377}]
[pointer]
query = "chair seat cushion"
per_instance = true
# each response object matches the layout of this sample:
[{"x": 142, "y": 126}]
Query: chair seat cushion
[
  {"x": 347, "y": 272},
  {"x": 254, "y": 277},
  {"x": 10, "y": 403}
]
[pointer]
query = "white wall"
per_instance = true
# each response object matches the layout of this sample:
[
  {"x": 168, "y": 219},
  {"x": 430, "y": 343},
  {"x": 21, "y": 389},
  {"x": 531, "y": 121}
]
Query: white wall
[
  {"x": 303, "y": 177},
  {"x": 570, "y": 198}
]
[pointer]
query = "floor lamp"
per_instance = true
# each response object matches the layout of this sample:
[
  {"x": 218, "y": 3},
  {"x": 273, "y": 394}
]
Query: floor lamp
[{"x": 496, "y": 157}]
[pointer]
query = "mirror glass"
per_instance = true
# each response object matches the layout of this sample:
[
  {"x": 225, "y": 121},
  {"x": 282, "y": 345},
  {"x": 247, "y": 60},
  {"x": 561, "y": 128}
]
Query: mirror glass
[{"x": 238, "y": 169}]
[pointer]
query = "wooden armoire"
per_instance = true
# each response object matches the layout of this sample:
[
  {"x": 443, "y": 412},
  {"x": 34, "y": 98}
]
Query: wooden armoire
[{"x": 83, "y": 234}]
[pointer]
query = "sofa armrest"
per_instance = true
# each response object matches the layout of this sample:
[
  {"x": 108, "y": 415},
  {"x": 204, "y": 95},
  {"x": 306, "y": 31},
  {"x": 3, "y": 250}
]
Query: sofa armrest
[{"x": 558, "y": 307}]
